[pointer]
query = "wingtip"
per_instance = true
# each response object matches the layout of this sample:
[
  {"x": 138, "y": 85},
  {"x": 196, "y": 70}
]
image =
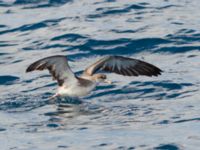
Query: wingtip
[
  {"x": 158, "y": 72},
  {"x": 28, "y": 70},
  {"x": 33, "y": 66}
]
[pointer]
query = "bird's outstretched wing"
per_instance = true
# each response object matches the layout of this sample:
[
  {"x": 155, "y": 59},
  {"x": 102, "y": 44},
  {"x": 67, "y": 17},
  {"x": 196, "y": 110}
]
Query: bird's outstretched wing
[
  {"x": 124, "y": 66},
  {"x": 58, "y": 67}
]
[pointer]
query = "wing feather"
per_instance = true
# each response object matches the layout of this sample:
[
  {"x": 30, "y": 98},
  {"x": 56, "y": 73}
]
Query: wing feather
[
  {"x": 124, "y": 66},
  {"x": 58, "y": 67}
]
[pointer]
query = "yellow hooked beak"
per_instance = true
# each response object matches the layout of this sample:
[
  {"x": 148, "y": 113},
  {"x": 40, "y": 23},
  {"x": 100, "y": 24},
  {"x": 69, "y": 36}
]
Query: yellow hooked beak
[{"x": 108, "y": 81}]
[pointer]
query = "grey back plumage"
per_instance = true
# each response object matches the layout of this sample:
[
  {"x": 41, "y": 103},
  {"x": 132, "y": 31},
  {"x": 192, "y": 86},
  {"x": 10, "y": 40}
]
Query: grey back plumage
[
  {"x": 124, "y": 66},
  {"x": 57, "y": 66}
]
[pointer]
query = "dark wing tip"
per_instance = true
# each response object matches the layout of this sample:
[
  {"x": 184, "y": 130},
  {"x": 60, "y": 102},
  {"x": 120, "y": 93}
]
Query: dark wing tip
[
  {"x": 30, "y": 68},
  {"x": 38, "y": 65},
  {"x": 157, "y": 71},
  {"x": 154, "y": 71},
  {"x": 141, "y": 68},
  {"x": 27, "y": 70},
  {"x": 42, "y": 63},
  {"x": 147, "y": 69}
]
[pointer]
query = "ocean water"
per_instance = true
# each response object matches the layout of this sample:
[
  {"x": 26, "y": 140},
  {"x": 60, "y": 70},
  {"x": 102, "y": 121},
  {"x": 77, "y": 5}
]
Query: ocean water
[{"x": 161, "y": 113}]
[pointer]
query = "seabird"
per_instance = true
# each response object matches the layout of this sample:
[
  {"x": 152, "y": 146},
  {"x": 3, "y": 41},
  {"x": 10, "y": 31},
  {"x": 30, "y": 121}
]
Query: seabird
[{"x": 71, "y": 85}]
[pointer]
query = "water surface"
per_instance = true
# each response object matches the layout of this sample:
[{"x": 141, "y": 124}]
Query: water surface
[{"x": 133, "y": 113}]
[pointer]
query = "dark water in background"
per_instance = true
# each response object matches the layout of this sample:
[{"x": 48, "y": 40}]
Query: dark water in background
[{"x": 133, "y": 113}]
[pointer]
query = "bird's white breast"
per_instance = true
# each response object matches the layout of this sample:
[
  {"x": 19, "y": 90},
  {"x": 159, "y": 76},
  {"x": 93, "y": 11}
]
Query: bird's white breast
[{"x": 75, "y": 90}]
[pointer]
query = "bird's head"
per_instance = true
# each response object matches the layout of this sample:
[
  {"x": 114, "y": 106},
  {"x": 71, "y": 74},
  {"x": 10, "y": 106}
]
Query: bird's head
[{"x": 101, "y": 78}]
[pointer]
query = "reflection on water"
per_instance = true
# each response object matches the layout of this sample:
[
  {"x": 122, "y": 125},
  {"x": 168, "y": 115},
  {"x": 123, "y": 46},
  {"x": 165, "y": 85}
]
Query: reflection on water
[{"x": 133, "y": 112}]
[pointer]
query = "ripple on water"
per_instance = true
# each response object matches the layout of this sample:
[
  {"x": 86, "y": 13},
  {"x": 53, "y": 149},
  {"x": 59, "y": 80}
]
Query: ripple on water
[
  {"x": 33, "y": 26},
  {"x": 2, "y": 129},
  {"x": 186, "y": 120},
  {"x": 118, "y": 46},
  {"x": 104, "y": 11},
  {"x": 147, "y": 90},
  {"x": 8, "y": 79},
  {"x": 167, "y": 147},
  {"x": 40, "y": 3},
  {"x": 68, "y": 37},
  {"x": 22, "y": 103}
]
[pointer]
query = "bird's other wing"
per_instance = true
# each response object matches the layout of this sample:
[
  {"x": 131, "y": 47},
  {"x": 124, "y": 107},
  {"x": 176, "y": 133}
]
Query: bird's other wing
[
  {"x": 124, "y": 66},
  {"x": 58, "y": 67}
]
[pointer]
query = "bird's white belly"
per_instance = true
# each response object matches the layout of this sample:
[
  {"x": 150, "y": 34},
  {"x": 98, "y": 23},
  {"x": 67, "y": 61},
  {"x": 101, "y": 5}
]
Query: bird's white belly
[{"x": 75, "y": 91}]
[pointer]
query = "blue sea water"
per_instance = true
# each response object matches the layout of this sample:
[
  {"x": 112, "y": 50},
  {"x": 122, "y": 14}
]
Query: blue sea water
[{"x": 160, "y": 113}]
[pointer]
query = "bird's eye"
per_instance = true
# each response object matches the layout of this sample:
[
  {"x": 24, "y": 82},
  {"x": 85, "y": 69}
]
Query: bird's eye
[{"x": 103, "y": 77}]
